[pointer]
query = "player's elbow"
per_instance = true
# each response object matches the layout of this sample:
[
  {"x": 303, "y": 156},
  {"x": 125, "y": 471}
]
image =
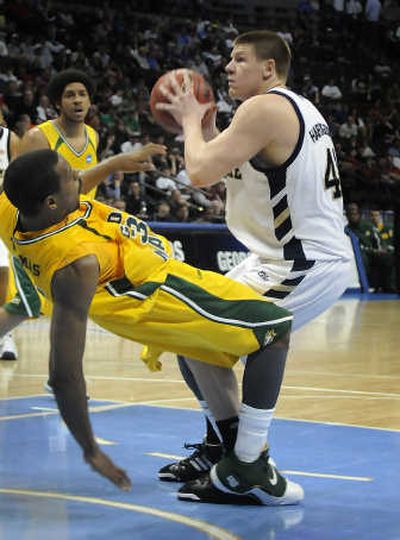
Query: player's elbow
[{"x": 201, "y": 176}]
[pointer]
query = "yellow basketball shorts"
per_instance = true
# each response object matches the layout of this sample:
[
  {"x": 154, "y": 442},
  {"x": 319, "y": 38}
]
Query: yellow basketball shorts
[{"x": 196, "y": 313}]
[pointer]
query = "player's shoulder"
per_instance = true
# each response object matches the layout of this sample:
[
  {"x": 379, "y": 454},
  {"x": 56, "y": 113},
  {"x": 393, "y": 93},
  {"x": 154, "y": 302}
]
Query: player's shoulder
[
  {"x": 275, "y": 105},
  {"x": 34, "y": 139}
]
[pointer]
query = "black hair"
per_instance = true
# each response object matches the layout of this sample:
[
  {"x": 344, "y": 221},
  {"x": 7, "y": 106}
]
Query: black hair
[
  {"x": 61, "y": 80},
  {"x": 30, "y": 178}
]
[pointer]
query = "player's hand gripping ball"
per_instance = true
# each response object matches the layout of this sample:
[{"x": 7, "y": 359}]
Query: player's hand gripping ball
[{"x": 201, "y": 89}]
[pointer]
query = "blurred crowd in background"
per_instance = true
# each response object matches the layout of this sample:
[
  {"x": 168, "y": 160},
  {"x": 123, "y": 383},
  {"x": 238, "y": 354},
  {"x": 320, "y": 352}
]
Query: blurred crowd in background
[{"x": 345, "y": 59}]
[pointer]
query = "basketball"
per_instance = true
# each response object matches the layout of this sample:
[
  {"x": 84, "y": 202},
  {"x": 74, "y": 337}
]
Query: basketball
[{"x": 201, "y": 89}]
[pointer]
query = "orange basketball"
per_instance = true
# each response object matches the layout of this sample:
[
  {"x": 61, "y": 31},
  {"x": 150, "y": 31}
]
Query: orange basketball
[{"x": 201, "y": 89}]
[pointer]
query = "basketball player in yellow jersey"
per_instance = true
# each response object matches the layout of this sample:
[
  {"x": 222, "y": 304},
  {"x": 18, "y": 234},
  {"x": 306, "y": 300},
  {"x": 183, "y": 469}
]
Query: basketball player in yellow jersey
[
  {"x": 27, "y": 304},
  {"x": 94, "y": 261},
  {"x": 70, "y": 91}
]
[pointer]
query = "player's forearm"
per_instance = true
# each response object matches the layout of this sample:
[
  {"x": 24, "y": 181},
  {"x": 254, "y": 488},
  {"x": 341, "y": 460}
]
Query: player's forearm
[
  {"x": 198, "y": 165},
  {"x": 66, "y": 375},
  {"x": 92, "y": 177}
]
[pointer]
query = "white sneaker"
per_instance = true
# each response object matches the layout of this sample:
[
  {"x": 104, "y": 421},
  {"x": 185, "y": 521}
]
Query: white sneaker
[{"x": 8, "y": 349}]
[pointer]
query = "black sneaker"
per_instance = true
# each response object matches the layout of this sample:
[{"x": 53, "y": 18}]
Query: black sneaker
[
  {"x": 234, "y": 482},
  {"x": 197, "y": 464}
]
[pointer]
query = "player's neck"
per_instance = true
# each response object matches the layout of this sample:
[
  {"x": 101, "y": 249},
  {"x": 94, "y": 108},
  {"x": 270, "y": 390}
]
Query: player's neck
[
  {"x": 70, "y": 129},
  {"x": 272, "y": 85}
]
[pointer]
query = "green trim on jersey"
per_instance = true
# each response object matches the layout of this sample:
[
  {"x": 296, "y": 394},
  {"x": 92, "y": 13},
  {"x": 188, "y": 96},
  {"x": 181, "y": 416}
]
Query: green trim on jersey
[{"x": 59, "y": 143}]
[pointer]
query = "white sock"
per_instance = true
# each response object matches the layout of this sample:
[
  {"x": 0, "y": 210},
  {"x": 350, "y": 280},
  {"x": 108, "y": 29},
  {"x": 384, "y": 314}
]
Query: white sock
[
  {"x": 210, "y": 416},
  {"x": 253, "y": 432}
]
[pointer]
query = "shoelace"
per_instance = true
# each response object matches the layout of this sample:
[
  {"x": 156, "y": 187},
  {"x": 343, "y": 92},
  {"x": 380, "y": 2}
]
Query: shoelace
[{"x": 196, "y": 446}]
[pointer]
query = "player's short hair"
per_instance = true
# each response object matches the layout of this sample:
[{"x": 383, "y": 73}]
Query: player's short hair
[
  {"x": 30, "y": 178},
  {"x": 61, "y": 80},
  {"x": 267, "y": 45}
]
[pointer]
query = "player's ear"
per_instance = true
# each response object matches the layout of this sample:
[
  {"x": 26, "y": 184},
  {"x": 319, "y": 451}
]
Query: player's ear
[
  {"x": 268, "y": 68},
  {"x": 50, "y": 202}
]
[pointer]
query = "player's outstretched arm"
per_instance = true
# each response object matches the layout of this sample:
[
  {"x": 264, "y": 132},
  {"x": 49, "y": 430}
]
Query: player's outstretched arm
[
  {"x": 130, "y": 162},
  {"x": 73, "y": 288}
]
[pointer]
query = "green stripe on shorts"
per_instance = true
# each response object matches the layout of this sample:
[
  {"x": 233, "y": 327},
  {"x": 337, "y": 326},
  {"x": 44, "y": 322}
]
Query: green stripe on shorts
[
  {"x": 268, "y": 321},
  {"x": 27, "y": 301}
]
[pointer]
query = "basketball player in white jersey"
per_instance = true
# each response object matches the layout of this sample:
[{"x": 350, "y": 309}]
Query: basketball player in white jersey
[
  {"x": 284, "y": 203},
  {"x": 9, "y": 148}
]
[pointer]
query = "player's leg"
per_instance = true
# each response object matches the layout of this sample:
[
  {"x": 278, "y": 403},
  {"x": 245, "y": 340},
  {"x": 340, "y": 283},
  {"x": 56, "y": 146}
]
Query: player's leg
[
  {"x": 8, "y": 350},
  {"x": 229, "y": 421},
  {"x": 247, "y": 475},
  {"x": 307, "y": 294},
  {"x": 204, "y": 454},
  {"x": 24, "y": 305}
]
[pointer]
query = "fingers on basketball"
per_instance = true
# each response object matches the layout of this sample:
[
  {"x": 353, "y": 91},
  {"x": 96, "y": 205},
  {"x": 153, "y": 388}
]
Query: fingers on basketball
[{"x": 169, "y": 85}]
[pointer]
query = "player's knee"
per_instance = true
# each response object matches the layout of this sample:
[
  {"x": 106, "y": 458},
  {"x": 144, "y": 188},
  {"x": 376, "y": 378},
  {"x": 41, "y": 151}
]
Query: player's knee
[{"x": 283, "y": 341}]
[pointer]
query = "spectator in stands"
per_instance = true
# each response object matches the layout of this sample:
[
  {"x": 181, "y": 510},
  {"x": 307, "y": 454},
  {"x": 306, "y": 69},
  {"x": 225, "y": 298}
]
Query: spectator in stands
[
  {"x": 381, "y": 269},
  {"x": 165, "y": 181},
  {"x": 135, "y": 198},
  {"x": 162, "y": 212},
  {"x": 348, "y": 129},
  {"x": 363, "y": 230},
  {"x": 331, "y": 91},
  {"x": 181, "y": 213}
]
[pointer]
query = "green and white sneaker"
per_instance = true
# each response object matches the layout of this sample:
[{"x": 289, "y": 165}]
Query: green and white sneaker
[{"x": 232, "y": 481}]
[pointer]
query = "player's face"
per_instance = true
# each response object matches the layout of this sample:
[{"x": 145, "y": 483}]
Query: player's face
[
  {"x": 245, "y": 72},
  {"x": 75, "y": 102},
  {"x": 70, "y": 187}
]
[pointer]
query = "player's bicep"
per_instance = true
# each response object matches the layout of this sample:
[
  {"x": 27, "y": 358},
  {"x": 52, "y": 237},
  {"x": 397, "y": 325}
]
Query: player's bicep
[{"x": 73, "y": 287}]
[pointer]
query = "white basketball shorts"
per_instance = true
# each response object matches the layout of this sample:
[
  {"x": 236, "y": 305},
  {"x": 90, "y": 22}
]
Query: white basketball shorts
[{"x": 306, "y": 293}]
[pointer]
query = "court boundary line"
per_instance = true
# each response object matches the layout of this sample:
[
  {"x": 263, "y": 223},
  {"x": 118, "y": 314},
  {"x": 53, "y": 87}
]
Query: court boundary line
[
  {"x": 158, "y": 403},
  {"x": 213, "y": 531},
  {"x": 394, "y": 395}
]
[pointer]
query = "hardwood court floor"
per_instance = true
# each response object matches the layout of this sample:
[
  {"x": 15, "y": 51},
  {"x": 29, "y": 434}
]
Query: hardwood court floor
[{"x": 343, "y": 367}]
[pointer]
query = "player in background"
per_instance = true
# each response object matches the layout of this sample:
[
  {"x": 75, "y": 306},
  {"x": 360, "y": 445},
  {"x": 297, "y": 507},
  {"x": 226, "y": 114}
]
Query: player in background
[{"x": 70, "y": 92}]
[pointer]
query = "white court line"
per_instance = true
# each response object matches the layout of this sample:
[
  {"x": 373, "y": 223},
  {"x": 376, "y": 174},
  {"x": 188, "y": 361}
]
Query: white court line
[
  {"x": 159, "y": 403},
  {"x": 298, "y": 473},
  {"x": 181, "y": 381},
  {"x": 342, "y": 374},
  {"x": 313, "y": 396},
  {"x": 340, "y": 390},
  {"x": 105, "y": 378}
]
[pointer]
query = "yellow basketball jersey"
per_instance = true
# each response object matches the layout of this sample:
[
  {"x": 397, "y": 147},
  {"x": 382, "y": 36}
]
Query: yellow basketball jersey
[
  {"x": 82, "y": 160},
  {"x": 144, "y": 294},
  {"x": 123, "y": 245}
]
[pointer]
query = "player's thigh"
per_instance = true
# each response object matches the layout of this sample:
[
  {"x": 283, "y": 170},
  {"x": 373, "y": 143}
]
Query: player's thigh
[{"x": 323, "y": 285}]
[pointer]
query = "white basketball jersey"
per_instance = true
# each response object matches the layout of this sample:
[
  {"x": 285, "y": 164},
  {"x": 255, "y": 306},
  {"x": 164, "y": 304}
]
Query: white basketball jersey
[
  {"x": 292, "y": 212},
  {"x": 4, "y": 161},
  {"x": 4, "y": 151}
]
